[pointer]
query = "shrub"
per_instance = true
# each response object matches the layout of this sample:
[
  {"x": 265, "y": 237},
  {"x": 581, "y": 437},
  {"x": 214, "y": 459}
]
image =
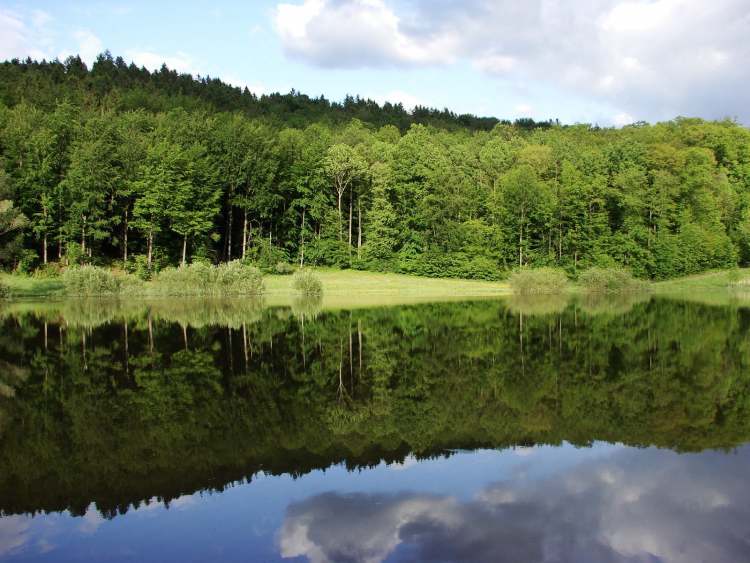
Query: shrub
[
  {"x": 4, "y": 291},
  {"x": 90, "y": 280},
  {"x": 232, "y": 278},
  {"x": 538, "y": 281},
  {"x": 609, "y": 280},
  {"x": 304, "y": 281},
  {"x": 284, "y": 269},
  {"x": 49, "y": 270},
  {"x": 236, "y": 278}
]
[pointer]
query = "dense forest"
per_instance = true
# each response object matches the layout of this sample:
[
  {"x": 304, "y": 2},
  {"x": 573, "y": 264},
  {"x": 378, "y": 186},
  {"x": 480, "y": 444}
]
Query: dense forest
[
  {"x": 119, "y": 165},
  {"x": 121, "y": 405}
]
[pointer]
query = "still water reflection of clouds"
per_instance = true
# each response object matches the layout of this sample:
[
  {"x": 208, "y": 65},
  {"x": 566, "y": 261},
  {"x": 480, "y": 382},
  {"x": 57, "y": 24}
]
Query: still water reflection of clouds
[{"x": 634, "y": 505}]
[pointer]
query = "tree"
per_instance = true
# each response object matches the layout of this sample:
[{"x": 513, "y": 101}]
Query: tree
[
  {"x": 381, "y": 234},
  {"x": 343, "y": 166},
  {"x": 12, "y": 223}
]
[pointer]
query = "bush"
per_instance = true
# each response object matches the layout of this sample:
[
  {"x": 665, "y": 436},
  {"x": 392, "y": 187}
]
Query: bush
[
  {"x": 538, "y": 281},
  {"x": 4, "y": 291},
  {"x": 609, "y": 280},
  {"x": 232, "y": 278},
  {"x": 90, "y": 280},
  {"x": 306, "y": 282},
  {"x": 236, "y": 278},
  {"x": 49, "y": 270},
  {"x": 284, "y": 269}
]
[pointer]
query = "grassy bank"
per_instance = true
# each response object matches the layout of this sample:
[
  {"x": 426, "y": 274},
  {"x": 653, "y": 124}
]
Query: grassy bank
[
  {"x": 28, "y": 286},
  {"x": 723, "y": 279},
  {"x": 343, "y": 282},
  {"x": 343, "y": 285},
  {"x": 351, "y": 287}
]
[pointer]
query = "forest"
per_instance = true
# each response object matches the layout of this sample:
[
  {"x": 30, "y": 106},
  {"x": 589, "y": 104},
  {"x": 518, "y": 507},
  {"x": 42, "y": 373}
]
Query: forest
[{"x": 118, "y": 166}]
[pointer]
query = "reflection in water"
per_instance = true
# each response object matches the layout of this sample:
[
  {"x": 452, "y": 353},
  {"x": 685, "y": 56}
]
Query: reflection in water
[
  {"x": 631, "y": 506},
  {"x": 114, "y": 410}
]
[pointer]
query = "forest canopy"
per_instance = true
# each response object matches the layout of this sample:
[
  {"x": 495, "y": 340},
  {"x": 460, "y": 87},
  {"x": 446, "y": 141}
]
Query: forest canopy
[{"x": 116, "y": 164}]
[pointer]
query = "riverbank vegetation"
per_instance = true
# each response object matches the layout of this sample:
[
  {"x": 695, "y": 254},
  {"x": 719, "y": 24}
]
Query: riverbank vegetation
[{"x": 117, "y": 166}]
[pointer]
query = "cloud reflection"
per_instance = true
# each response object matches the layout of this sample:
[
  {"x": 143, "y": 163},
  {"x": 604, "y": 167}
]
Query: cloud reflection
[{"x": 636, "y": 505}]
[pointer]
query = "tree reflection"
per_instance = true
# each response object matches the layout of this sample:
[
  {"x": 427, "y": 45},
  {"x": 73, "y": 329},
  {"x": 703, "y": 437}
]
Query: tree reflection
[{"x": 158, "y": 400}]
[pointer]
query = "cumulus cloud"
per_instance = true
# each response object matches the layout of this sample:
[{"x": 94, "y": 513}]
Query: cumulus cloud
[
  {"x": 356, "y": 34},
  {"x": 632, "y": 506},
  {"x": 650, "y": 58},
  {"x": 409, "y": 101},
  {"x": 89, "y": 46},
  {"x": 181, "y": 62},
  {"x": 24, "y": 36}
]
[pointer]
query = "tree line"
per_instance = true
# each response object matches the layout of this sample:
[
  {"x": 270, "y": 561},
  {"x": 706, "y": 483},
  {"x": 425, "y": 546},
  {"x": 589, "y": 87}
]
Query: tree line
[{"x": 119, "y": 165}]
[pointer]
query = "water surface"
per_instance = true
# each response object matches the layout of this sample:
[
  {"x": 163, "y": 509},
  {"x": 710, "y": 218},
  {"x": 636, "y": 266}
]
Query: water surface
[{"x": 490, "y": 430}]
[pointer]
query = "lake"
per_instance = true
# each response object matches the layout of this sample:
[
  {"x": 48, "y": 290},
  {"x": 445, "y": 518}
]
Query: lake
[{"x": 509, "y": 429}]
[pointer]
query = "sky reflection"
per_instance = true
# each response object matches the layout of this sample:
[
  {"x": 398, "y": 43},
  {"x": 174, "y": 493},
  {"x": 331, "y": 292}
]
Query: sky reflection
[{"x": 547, "y": 504}]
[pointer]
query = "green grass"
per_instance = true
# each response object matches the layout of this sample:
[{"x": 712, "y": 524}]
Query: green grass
[
  {"x": 374, "y": 283},
  {"x": 723, "y": 279},
  {"x": 353, "y": 288},
  {"x": 29, "y": 286}
]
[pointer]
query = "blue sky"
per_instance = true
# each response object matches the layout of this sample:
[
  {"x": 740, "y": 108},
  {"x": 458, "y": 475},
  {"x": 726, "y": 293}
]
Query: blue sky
[{"x": 601, "y": 61}]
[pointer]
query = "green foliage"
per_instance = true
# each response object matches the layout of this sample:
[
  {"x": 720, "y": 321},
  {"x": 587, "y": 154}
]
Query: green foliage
[
  {"x": 231, "y": 278},
  {"x": 306, "y": 282},
  {"x": 176, "y": 170},
  {"x": 90, "y": 281},
  {"x": 284, "y": 269},
  {"x": 4, "y": 290},
  {"x": 609, "y": 280},
  {"x": 538, "y": 281}
]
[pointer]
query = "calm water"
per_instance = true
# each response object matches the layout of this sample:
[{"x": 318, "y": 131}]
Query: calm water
[{"x": 500, "y": 430}]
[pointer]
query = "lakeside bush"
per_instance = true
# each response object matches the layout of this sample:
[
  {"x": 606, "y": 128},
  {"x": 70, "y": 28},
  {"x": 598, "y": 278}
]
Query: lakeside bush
[
  {"x": 284, "y": 269},
  {"x": 304, "y": 281},
  {"x": 90, "y": 280},
  {"x": 4, "y": 291},
  {"x": 231, "y": 278},
  {"x": 538, "y": 281},
  {"x": 609, "y": 280}
]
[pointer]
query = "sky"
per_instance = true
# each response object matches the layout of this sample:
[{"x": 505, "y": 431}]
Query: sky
[{"x": 609, "y": 62}]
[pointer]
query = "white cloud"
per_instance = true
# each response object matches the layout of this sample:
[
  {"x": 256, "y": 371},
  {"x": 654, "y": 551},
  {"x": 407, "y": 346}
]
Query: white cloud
[
  {"x": 355, "y": 34},
  {"x": 89, "y": 46},
  {"x": 181, "y": 62},
  {"x": 257, "y": 88},
  {"x": 495, "y": 64},
  {"x": 652, "y": 59},
  {"x": 409, "y": 101},
  {"x": 524, "y": 110},
  {"x": 622, "y": 119},
  {"x": 21, "y": 39}
]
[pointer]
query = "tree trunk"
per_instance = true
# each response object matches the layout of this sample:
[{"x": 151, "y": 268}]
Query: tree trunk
[
  {"x": 244, "y": 236},
  {"x": 184, "y": 250},
  {"x": 359, "y": 229},
  {"x": 350, "y": 223},
  {"x": 125, "y": 238},
  {"x": 230, "y": 226},
  {"x": 83, "y": 237},
  {"x": 340, "y": 193},
  {"x": 302, "y": 240},
  {"x": 520, "y": 243},
  {"x": 44, "y": 249},
  {"x": 150, "y": 248}
]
